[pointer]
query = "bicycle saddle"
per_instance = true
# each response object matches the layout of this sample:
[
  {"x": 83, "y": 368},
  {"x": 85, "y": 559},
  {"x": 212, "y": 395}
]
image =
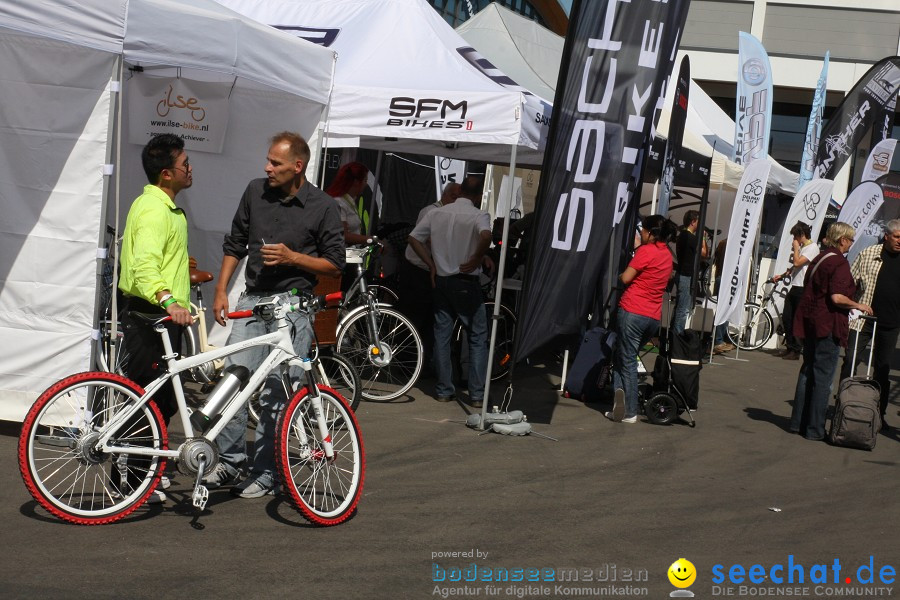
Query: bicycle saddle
[{"x": 198, "y": 277}]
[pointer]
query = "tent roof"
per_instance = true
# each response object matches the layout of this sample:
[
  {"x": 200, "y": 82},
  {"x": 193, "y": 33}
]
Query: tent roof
[
  {"x": 401, "y": 53},
  {"x": 199, "y": 34},
  {"x": 530, "y": 54},
  {"x": 526, "y": 51}
]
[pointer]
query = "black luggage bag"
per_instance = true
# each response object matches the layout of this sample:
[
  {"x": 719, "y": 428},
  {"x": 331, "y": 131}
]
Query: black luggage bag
[
  {"x": 591, "y": 369},
  {"x": 857, "y": 413},
  {"x": 683, "y": 354}
]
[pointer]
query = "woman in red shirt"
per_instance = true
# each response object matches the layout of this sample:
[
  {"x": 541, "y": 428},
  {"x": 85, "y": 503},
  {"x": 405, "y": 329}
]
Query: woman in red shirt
[{"x": 640, "y": 308}]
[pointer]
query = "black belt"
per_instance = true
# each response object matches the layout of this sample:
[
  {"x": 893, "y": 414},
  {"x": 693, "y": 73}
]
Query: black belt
[{"x": 463, "y": 276}]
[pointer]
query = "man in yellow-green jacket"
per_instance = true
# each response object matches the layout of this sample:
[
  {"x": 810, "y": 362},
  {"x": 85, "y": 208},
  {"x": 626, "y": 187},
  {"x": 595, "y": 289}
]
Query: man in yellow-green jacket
[
  {"x": 155, "y": 275},
  {"x": 155, "y": 279}
]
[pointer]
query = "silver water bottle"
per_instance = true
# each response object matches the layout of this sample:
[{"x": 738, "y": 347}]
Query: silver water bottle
[{"x": 233, "y": 379}]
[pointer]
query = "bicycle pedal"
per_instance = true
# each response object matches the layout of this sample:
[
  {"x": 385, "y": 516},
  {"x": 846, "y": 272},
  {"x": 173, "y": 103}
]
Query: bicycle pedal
[{"x": 200, "y": 497}]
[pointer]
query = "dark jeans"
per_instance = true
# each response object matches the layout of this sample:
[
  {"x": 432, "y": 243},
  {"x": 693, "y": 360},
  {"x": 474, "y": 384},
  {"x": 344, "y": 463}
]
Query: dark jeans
[
  {"x": 416, "y": 303},
  {"x": 460, "y": 297},
  {"x": 813, "y": 391},
  {"x": 144, "y": 347},
  {"x": 683, "y": 305},
  {"x": 632, "y": 332},
  {"x": 791, "y": 302},
  {"x": 883, "y": 350},
  {"x": 145, "y": 363}
]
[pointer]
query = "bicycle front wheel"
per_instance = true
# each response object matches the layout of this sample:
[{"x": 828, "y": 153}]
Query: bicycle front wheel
[
  {"x": 387, "y": 370},
  {"x": 58, "y": 453},
  {"x": 384, "y": 294},
  {"x": 336, "y": 372},
  {"x": 503, "y": 345},
  {"x": 754, "y": 329},
  {"x": 325, "y": 491},
  {"x": 103, "y": 348}
]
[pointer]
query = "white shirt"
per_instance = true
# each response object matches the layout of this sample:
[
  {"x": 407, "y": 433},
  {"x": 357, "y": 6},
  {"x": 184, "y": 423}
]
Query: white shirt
[
  {"x": 348, "y": 214},
  {"x": 455, "y": 232},
  {"x": 410, "y": 254},
  {"x": 810, "y": 251}
]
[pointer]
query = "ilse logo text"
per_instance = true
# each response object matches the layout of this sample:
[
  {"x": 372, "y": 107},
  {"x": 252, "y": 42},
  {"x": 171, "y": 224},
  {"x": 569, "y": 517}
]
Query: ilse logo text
[{"x": 198, "y": 113}]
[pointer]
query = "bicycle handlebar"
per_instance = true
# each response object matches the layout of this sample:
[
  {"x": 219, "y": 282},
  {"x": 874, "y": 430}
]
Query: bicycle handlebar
[{"x": 309, "y": 303}]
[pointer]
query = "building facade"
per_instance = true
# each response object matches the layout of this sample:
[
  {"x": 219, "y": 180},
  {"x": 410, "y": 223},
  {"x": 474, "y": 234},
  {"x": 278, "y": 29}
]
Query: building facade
[{"x": 796, "y": 35}]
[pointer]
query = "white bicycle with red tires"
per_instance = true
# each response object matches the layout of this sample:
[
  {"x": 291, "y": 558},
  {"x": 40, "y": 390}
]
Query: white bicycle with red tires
[{"x": 94, "y": 446}]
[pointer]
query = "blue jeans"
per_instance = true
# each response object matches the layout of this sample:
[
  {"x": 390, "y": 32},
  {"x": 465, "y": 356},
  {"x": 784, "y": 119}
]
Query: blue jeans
[
  {"x": 721, "y": 331},
  {"x": 232, "y": 439},
  {"x": 720, "y": 334},
  {"x": 820, "y": 356},
  {"x": 633, "y": 331},
  {"x": 460, "y": 298},
  {"x": 682, "y": 303}
]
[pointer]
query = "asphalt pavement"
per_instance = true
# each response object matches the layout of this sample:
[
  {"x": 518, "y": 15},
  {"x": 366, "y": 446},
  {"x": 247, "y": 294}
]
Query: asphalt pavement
[{"x": 612, "y": 505}]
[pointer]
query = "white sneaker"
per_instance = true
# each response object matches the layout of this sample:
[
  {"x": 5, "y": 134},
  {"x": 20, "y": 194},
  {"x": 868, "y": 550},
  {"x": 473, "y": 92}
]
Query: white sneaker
[
  {"x": 157, "y": 497},
  {"x": 164, "y": 482},
  {"x": 609, "y": 415}
]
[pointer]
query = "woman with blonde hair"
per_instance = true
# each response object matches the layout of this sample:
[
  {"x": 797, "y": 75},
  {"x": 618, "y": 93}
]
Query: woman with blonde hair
[{"x": 822, "y": 324}]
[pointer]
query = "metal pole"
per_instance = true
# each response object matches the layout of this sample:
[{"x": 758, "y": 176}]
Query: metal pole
[
  {"x": 714, "y": 240},
  {"x": 114, "y": 247},
  {"x": 373, "y": 203},
  {"x": 498, "y": 296}
]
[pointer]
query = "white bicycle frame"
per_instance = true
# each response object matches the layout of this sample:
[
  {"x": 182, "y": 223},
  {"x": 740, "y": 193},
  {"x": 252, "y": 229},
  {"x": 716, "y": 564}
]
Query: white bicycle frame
[{"x": 282, "y": 354}]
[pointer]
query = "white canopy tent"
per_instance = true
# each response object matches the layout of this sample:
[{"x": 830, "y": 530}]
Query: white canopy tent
[
  {"x": 63, "y": 151},
  {"x": 526, "y": 51},
  {"x": 407, "y": 82}
]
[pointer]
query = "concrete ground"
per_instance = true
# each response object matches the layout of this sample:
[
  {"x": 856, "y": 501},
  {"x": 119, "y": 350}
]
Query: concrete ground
[{"x": 613, "y": 501}]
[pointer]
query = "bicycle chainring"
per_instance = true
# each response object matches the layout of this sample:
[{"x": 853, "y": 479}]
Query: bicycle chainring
[{"x": 189, "y": 456}]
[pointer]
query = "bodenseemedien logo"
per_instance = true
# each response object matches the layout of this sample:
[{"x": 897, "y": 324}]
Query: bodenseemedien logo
[{"x": 682, "y": 575}]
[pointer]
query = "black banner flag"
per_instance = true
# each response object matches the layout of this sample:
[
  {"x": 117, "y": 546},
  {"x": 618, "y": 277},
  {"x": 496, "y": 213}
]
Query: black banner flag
[
  {"x": 616, "y": 58},
  {"x": 856, "y": 116},
  {"x": 676, "y": 135}
]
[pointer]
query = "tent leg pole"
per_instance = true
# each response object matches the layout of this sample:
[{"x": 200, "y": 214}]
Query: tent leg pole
[
  {"x": 374, "y": 202},
  {"x": 498, "y": 295},
  {"x": 565, "y": 370},
  {"x": 116, "y": 125}
]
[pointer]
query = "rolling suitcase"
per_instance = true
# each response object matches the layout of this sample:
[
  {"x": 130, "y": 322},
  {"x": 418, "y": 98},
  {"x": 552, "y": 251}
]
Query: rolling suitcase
[
  {"x": 857, "y": 415},
  {"x": 590, "y": 370}
]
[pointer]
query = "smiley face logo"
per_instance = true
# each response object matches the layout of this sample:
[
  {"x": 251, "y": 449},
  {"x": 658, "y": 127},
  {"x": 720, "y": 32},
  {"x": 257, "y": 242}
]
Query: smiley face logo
[{"x": 682, "y": 573}]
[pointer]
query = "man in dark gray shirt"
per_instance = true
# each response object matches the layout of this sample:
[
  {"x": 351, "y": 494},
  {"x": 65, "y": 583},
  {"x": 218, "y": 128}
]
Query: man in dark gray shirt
[{"x": 290, "y": 232}]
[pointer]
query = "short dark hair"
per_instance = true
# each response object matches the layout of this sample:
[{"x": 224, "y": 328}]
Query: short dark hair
[
  {"x": 689, "y": 217},
  {"x": 160, "y": 153},
  {"x": 801, "y": 228},
  {"x": 471, "y": 187},
  {"x": 298, "y": 146}
]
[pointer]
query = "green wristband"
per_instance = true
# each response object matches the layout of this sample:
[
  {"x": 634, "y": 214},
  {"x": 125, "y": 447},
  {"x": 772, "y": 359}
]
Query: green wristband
[{"x": 168, "y": 303}]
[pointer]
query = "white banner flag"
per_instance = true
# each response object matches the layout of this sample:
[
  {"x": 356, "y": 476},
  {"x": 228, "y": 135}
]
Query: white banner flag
[
  {"x": 860, "y": 206},
  {"x": 447, "y": 170},
  {"x": 195, "y": 111},
  {"x": 741, "y": 238},
  {"x": 809, "y": 205},
  {"x": 879, "y": 161}
]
